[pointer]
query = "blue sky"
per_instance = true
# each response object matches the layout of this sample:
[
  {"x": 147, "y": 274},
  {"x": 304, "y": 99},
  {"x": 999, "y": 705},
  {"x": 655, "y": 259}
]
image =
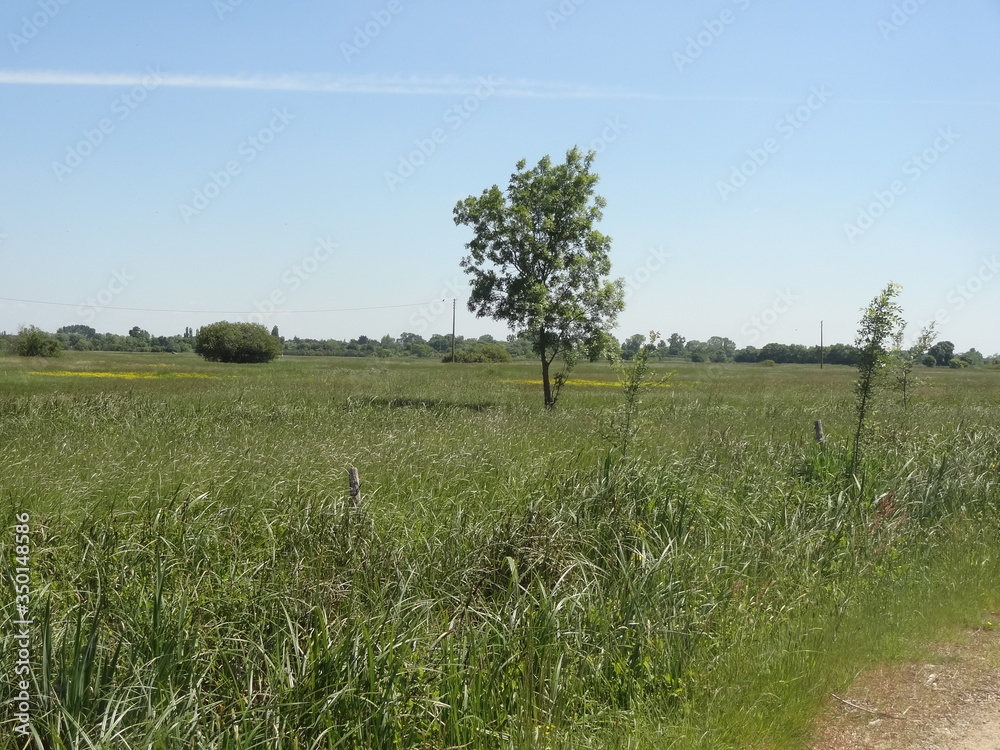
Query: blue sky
[{"x": 766, "y": 165}]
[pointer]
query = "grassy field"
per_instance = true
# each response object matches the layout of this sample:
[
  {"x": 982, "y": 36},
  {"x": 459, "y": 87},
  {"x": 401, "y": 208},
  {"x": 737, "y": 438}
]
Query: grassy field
[{"x": 201, "y": 578}]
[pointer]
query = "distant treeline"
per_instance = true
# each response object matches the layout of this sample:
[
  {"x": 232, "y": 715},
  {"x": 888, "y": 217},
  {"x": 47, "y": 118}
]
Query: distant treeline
[
  {"x": 488, "y": 349},
  {"x": 721, "y": 349}
]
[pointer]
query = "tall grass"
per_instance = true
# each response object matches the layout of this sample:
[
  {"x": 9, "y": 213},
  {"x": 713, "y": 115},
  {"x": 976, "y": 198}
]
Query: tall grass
[{"x": 202, "y": 579}]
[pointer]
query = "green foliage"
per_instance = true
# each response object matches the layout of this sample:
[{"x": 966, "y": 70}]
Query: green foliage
[
  {"x": 973, "y": 358},
  {"x": 248, "y": 343},
  {"x": 82, "y": 330},
  {"x": 903, "y": 361},
  {"x": 141, "y": 335},
  {"x": 538, "y": 264},
  {"x": 632, "y": 345},
  {"x": 675, "y": 345},
  {"x": 34, "y": 342},
  {"x": 716, "y": 349},
  {"x": 85, "y": 338},
  {"x": 622, "y": 426},
  {"x": 480, "y": 353},
  {"x": 942, "y": 352},
  {"x": 834, "y": 354},
  {"x": 880, "y": 319},
  {"x": 503, "y": 585}
]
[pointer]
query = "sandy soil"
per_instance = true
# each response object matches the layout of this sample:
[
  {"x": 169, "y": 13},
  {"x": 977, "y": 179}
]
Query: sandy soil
[{"x": 950, "y": 702}]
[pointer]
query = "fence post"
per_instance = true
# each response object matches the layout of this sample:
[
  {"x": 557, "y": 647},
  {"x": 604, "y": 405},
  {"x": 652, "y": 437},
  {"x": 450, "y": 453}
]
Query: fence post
[{"x": 355, "y": 482}]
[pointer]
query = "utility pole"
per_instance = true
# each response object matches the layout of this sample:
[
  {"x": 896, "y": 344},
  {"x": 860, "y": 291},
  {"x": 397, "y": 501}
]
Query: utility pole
[
  {"x": 454, "y": 306},
  {"x": 820, "y": 347}
]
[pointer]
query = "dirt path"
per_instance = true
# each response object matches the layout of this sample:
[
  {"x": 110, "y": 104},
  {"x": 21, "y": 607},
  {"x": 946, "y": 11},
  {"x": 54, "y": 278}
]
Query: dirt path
[{"x": 951, "y": 701}]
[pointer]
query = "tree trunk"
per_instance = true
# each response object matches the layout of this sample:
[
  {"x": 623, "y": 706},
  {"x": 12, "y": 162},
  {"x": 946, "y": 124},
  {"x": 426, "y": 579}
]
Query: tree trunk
[
  {"x": 862, "y": 413},
  {"x": 546, "y": 387}
]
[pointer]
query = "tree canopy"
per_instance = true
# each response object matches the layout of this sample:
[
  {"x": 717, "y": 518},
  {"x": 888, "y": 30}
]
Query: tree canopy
[
  {"x": 942, "y": 351},
  {"x": 538, "y": 264},
  {"x": 236, "y": 342}
]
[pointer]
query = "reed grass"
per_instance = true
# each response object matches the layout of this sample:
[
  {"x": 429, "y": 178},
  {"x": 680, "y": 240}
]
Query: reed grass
[{"x": 201, "y": 579}]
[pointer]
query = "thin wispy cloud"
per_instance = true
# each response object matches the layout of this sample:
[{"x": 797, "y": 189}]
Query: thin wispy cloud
[
  {"x": 732, "y": 99},
  {"x": 390, "y": 85},
  {"x": 409, "y": 86}
]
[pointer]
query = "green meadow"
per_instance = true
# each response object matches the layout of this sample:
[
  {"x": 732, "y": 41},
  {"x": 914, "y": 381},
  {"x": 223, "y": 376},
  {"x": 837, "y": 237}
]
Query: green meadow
[{"x": 200, "y": 576}]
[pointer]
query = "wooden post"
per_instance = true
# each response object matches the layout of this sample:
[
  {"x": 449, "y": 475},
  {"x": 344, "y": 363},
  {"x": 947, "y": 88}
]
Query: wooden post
[
  {"x": 820, "y": 437},
  {"x": 355, "y": 482}
]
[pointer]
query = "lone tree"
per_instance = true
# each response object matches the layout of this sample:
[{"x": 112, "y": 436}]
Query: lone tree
[
  {"x": 943, "y": 352},
  {"x": 880, "y": 318},
  {"x": 538, "y": 264},
  {"x": 236, "y": 342}
]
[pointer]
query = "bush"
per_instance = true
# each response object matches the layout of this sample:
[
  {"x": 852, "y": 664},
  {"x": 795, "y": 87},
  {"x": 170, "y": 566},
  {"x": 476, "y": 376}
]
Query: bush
[
  {"x": 480, "y": 353},
  {"x": 767, "y": 363},
  {"x": 33, "y": 342},
  {"x": 958, "y": 364},
  {"x": 928, "y": 360},
  {"x": 248, "y": 343}
]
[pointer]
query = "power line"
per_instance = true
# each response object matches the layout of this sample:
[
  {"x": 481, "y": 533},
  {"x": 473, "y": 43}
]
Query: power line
[{"x": 217, "y": 312}]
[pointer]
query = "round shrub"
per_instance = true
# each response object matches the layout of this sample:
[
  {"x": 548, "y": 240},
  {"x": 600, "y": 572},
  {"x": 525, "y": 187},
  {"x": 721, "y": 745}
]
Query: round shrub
[
  {"x": 487, "y": 352},
  {"x": 33, "y": 342},
  {"x": 767, "y": 363},
  {"x": 484, "y": 352},
  {"x": 247, "y": 343}
]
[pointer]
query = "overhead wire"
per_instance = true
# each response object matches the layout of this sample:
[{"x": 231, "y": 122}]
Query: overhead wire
[{"x": 219, "y": 312}]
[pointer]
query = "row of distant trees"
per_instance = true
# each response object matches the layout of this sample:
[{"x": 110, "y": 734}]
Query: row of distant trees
[
  {"x": 482, "y": 349},
  {"x": 85, "y": 338},
  {"x": 720, "y": 349}
]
